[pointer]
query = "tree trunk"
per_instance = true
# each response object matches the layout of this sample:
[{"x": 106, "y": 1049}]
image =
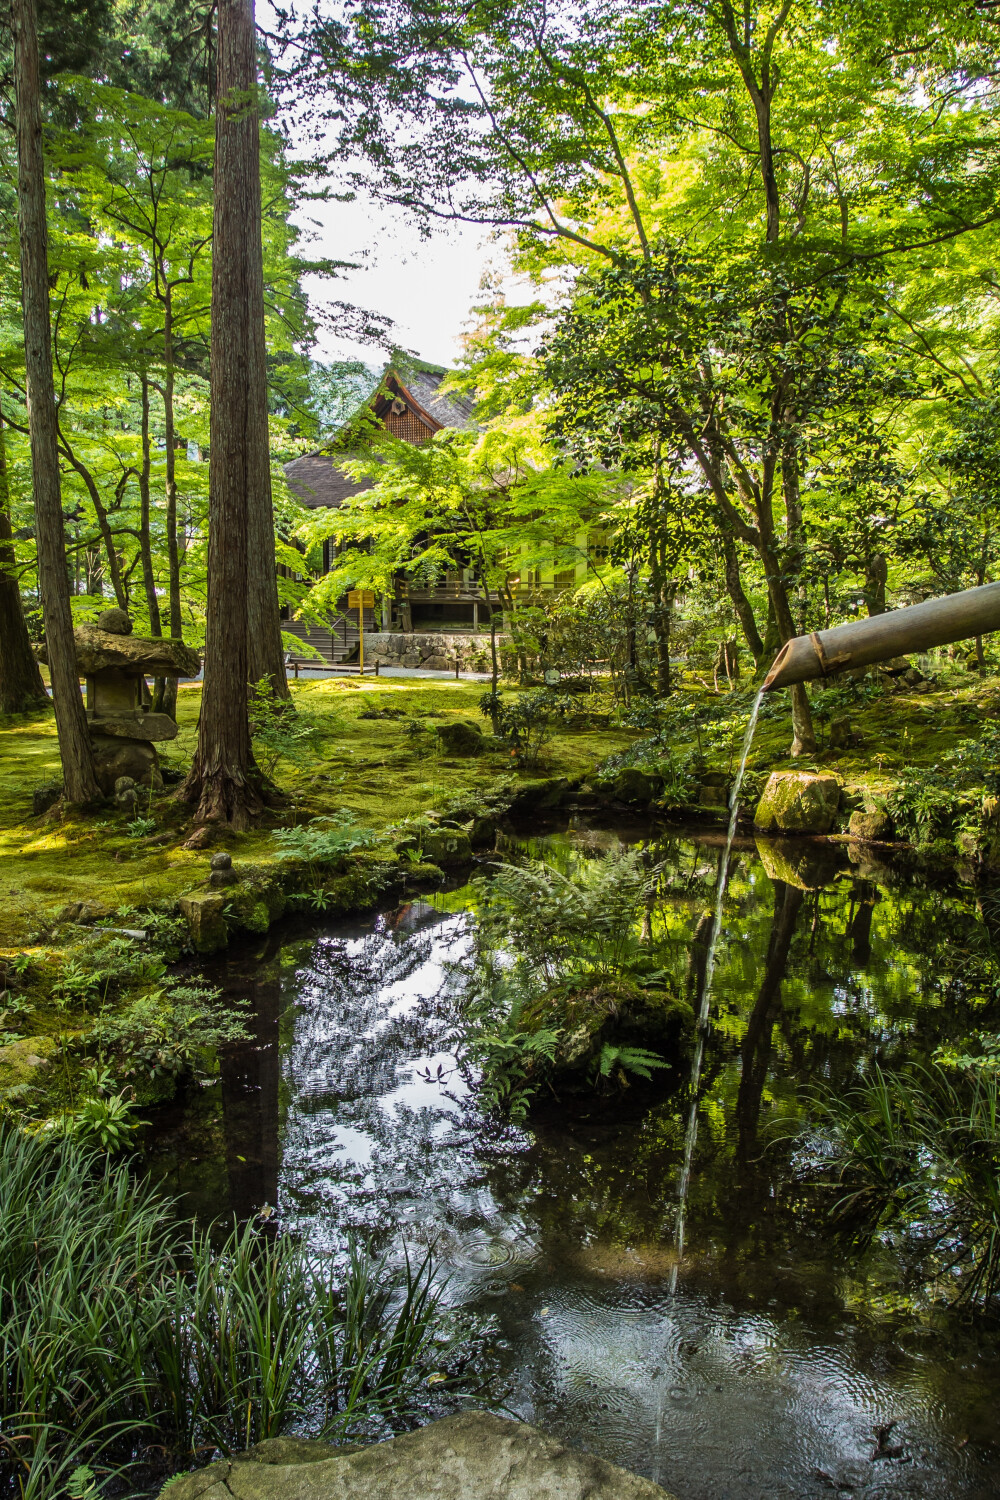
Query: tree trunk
[
  {"x": 224, "y": 781},
  {"x": 876, "y": 577},
  {"x": 741, "y": 604},
  {"x": 21, "y": 685},
  {"x": 803, "y": 733},
  {"x": 75, "y": 749},
  {"x": 145, "y": 541},
  {"x": 664, "y": 594},
  {"x": 170, "y": 438},
  {"x": 267, "y": 657}
]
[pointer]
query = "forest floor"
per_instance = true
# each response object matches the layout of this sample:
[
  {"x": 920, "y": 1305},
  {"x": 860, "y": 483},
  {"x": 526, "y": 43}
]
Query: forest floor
[
  {"x": 365, "y": 747},
  {"x": 384, "y": 770},
  {"x": 376, "y": 768}
]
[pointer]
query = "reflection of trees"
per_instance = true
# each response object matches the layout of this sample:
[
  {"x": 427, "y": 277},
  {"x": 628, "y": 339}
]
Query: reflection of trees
[
  {"x": 755, "y": 1049},
  {"x": 250, "y": 1075}
]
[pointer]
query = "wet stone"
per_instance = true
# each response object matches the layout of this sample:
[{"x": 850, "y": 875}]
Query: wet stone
[
  {"x": 474, "y": 1456},
  {"x": 870, "y": 827},
  {"x": 207, "y": 925},
  {"x": 798, "y": 802}
]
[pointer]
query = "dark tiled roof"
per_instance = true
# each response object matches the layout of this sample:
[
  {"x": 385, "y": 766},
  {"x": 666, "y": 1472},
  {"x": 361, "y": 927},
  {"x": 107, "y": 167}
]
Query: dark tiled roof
[
  {"x": 316, "y": 480},
  {"x": 452, "y": 410}
]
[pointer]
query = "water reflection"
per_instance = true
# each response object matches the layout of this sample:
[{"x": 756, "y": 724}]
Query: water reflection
[{"x": 762, "y": 1361}]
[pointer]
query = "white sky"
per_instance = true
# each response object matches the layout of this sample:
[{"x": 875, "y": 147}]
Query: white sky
[{"x": 426, "y": 286}]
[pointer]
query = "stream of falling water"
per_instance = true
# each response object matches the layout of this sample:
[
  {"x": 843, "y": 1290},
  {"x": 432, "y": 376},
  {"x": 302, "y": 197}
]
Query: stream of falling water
[{"x": 705, "y": 991}]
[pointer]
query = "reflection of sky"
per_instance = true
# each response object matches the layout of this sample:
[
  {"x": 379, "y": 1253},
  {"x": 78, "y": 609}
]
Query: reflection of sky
[{"x": 726, "y": 1390}]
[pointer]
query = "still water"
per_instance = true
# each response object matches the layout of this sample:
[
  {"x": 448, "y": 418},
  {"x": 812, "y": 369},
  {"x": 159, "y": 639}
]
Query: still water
[{"x": 764, "y": 1361}]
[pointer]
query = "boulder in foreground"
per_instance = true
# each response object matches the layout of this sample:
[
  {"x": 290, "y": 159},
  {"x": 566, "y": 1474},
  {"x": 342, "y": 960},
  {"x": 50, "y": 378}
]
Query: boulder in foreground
[
  {"x": 473, "y": 1456},
  {"x": 798, "y": 802}
]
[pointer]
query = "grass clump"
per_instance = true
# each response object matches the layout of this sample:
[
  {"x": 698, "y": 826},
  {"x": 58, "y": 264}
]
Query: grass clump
[
  {"x": 915, "y": 1156},
  {"x": 132, "y": 1346}
]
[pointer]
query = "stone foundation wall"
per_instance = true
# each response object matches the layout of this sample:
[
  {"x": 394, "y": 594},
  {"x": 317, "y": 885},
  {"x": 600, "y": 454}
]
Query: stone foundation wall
[{"x": 434, "y": 651}]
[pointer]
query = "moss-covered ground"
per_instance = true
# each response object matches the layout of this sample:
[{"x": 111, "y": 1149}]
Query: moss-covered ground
[
  {"x": 370, "y": 750},
  {"x": 381, "y": 770},
  {"x": 385, "y": 770}
]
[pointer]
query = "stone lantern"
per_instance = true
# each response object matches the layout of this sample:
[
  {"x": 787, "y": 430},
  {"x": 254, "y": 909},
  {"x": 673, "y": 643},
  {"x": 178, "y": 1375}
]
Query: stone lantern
[{"x": 114, "y": 662}]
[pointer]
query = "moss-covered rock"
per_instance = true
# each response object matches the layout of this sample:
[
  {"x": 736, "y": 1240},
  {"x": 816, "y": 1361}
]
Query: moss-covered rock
[
  {"x": 618, "y": 1013},
  {"x": 460, "y": 738},
  {"x": 446, "y": 846},
  {"x": 870, "y": 827},
  {"x": 542, "y": 795},
  {"x": 23, "y": 1063},
  {"x": 798, "y": 802},
  {"x": 472, "y": 1456},
  {"x": 203, "y": 912},
  {"x": 634, "y": 785}
]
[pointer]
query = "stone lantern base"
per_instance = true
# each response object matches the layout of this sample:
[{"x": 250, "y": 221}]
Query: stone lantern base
[{"x": 115, "y": 757}]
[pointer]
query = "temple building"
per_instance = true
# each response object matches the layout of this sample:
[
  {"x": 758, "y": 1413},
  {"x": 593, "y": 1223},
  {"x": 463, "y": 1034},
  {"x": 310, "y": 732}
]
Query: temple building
[{"x": 411, "y": 405}]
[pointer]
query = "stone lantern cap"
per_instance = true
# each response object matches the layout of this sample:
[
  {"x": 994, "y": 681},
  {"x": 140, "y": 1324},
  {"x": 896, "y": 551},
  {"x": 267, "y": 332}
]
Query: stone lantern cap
[
  {"x": 113, "y": 660},
  {"x": 110, "y": 645}
]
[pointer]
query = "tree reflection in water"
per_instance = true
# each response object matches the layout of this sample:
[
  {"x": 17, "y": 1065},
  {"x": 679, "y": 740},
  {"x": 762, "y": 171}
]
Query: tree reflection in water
[{"x": 780, "y": 1352}]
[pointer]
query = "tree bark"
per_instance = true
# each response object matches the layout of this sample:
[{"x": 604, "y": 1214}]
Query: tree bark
[
  {"x": 170, "y": 439},
  {"x": 75, "y": 750},
  {"x": 224, "y": 782},
  {"x": 741, "y": 604},
  {"x": 21, "y": 685},
  {"x": 145, "y": 541},
  {"x": 267, "y": 657},
  {"x": 876, "y": 578}
]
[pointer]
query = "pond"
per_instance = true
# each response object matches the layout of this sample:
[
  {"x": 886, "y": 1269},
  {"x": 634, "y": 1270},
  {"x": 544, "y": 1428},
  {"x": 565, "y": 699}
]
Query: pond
[{"x": 768, "y": 1359}]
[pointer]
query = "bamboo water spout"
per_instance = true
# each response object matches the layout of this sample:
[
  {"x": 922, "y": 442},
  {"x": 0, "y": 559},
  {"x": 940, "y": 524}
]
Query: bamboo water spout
[{"x": 936, "y": 622}]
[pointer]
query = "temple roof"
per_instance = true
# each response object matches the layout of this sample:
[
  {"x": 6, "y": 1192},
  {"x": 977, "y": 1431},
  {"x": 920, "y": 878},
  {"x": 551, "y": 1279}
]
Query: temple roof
[{"x": 316, "y": 480}]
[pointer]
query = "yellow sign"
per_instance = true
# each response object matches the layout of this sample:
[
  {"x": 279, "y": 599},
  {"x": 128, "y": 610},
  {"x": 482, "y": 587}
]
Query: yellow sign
[{"x": 361, "y": 599}]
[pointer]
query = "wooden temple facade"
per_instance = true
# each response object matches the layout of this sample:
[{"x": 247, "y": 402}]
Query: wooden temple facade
[{"x": 412, "y": 406}]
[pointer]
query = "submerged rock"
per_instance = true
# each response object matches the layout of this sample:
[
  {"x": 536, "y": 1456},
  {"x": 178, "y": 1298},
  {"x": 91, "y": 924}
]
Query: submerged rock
[
  {"x": 474, "y": 1456},
  {"x": 798, "y": 802}
]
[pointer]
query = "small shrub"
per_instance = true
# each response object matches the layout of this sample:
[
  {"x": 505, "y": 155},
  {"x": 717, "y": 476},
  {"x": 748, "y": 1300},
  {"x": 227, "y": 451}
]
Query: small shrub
[
  {"x": 138, "y": 828},
  {"x": 165, "y": 1033},
  {"x": 323, "y": 841},
  {"x": 280, "y": 732}
]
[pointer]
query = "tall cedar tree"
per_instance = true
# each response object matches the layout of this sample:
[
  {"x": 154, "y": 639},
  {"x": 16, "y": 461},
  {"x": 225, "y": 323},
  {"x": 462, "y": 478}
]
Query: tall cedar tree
[
  {"x": 224, "y": 781},
  {"x": 74, "y": 742},
  {"x": 21, "y": 685}
]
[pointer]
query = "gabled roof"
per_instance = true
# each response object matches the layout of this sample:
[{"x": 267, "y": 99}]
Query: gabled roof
[
  {"x": 449, "y": 410},
  {"x": 316, "y": 480}
]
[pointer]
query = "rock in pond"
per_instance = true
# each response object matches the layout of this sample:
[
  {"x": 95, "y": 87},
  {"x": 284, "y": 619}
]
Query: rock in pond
[
  {"x": 439, "y": 846},
  {"x": 633, "y": 785},
  {"x": 798, "y": 802},
  {"x": 207, "y": 925},
  {"x": 870, "y": 827},
  {"x": 474, "y": 1456}
]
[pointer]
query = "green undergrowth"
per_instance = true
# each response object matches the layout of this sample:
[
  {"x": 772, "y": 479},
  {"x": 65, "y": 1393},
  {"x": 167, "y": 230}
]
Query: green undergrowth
[
  {"x": 134, "y": 1345},
  {"x": 383, "y": 770}
]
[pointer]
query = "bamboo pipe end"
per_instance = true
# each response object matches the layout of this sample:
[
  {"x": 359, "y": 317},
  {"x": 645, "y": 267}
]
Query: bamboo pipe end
[{"x": 773, "y": 678}]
